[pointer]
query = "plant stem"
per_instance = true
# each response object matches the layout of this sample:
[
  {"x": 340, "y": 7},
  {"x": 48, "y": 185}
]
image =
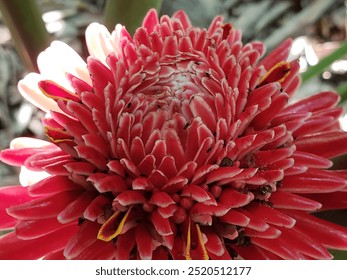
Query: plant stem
[
  {"x": 29, "y": 34},
  {"x": 128, "y": 12}
]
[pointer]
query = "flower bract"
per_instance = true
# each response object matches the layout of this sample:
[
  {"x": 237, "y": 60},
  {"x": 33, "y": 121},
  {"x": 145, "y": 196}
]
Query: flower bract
[{"x": 177, "y": 142}]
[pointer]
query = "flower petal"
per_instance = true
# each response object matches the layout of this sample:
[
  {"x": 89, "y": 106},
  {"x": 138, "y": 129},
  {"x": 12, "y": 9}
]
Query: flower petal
[
  {"x": 329, "y": 234},
  {"x": 194, "y": 235},
  {"x": 113, "y": 226},
  {"x": 43, "y": 207},
  {"x": 11, "y": 196},
  {"x": 13, "y": 248}
]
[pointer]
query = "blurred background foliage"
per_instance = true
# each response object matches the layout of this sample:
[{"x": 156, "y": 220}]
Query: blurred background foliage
[{"x": 318, "y": 28}]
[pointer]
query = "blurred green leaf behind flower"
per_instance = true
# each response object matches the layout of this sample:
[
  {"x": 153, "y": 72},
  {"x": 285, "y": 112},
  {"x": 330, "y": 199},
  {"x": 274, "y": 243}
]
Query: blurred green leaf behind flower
[
  {"x": 23, "y": 18},
  {"x": 129, "y": 13}
]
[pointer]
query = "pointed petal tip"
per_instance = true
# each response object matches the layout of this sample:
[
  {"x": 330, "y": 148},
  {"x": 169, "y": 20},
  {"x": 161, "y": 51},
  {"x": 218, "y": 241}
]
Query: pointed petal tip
[
  {"x": 151, "y": 20},
  {"x": 183, "y": 17}
]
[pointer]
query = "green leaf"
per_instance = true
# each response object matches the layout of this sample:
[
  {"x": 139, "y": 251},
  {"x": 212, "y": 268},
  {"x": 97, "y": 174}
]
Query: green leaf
[
  {"x": 325, "y": 62},
  {"x": 28, "y": 31},
  {"x": 339, "y": 255},
  {"x": 128, "y": 12},
  {"x": 342, "y": 90}
]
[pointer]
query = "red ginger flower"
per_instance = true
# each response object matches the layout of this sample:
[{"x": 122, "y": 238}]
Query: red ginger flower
[{"x": 177, "y": 143}]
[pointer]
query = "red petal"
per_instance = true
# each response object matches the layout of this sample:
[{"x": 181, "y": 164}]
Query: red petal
[
  {"x": 253, "y": 252},
  {"x": 214, "y": 243},
  {"x": 124, "y": 244},
  {"x": 272, "y": 216},
  {"x": 96, "y": 208},
  {"x": 264, "y": 158},
  {"x": 234, "y": 199},
  {"x": 78, "y": 84},
  {"x": 263, "y": 177},
  {"x": 292, "y": 82},
  {"x": 55, "y": 91},
  {"x": 313, "y": 181},
  {"x": 32, "y": 229},
  {"x": 160, "y": 254},
  {"x": 200, "y": 108},
  {"x": 13, "y": 248},
  {"x": 137, "y": 150},
  {"x": 175, "y": 184},
  {"x": 187, "y": 170},
  {"x": 168, "y": 166},
  {"x": 234, "y": 217},
  {"x": 58, "y": 168},
  {"x": 98, "y": 143},
  {"x": 100, "y": 74},
  {"x": 279, "y": 247},
  {"x": 116, "y": 167},
  {"x": 177, "y": 251},
  {"x": 39, "y": 160},
  {"x": 194, "y": 236},
  {"x": 262, "y": 93},
  {"x": 130, "y": 197},
  {"x": 195, "y": 192},
  {"x": 58, "y": 255},
  {"x": 17, "y": 157},
  {"x": 98, "y": 250},
  {"x": 167, "y": 212},
  {"x": 161, "y": 224},
  {"x": 255, "y": 222},
  {"x": 325, "y": 144},
  {"x": 92, "y": 155},
  {"x": 280, "y": 53},
  {"x": 305, "y": 243},
  {"x": 202, "y": 172},
  {"x": 85, "y": 236},
  {"x": 202, "y": 213},
  {"x": 76, "y": 208},
  {"x": 170, "y": 47},
  {"x": 174, "y": 147},
  {"x": 278, "y": 73},
  {"x": 183, "y": 18},
  {"x": 316, "y": 102},
  {"x": 270, "y": 233},
  {"x": 330, "y": 201},
  {"x": 161, "y": 199},
  {"x": 147, "y": 165},
  {"x": 108, "y": 183},
  {"x": 80, "y": 167},
  {"x": 224, "y": 256},
  {"x": 59, "y": 135},
  {"x": 311, "y": 160},
  {"x": 45, "y": 207},
  {"x": 151, "y": 20},
  {"x": 130, "y": 167},
  {"x": 244, "y": 176},
  {"x": 142, "y": 183},
  {"x": 158, "y": 179},
  {"x": 168, "y": 241},
  {"x": 288, "y": 200},
  {"x": 144, "y": 242},
  {"x": 223, "y": 173},
  {"x": 11, "y": 196},
  {"x": 314, "y": 125},
  {"x": 329, "y": 234}
]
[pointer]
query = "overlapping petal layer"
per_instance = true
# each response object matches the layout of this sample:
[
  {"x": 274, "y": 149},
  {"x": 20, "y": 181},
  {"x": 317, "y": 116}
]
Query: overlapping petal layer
[{"x": 176, "y": 143}]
